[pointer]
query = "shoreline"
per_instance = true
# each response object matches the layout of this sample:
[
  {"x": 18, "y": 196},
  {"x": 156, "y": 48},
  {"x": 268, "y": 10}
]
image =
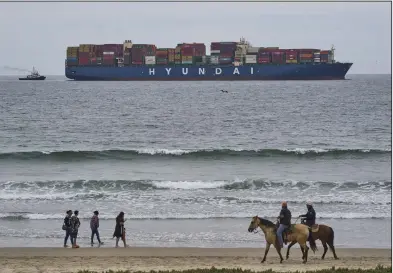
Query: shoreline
[{"x": 61, "y": 260}]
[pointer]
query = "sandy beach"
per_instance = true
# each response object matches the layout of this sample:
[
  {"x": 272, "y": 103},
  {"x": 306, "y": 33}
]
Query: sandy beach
[{"x": 56, "y": 260}]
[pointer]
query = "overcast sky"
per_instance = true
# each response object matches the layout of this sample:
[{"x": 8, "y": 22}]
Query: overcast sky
[{"x": 37, "y": 34}]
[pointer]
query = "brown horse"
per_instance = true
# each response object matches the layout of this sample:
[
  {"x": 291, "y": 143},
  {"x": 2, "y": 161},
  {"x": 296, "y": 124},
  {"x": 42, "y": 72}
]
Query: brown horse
[
  {"x": 323, "y": 233},
  {"x": 298, "y": 233}
]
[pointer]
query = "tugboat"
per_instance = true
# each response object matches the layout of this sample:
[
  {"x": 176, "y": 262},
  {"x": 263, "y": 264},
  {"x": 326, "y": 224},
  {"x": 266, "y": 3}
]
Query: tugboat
[{"x": 34, "y": 76}]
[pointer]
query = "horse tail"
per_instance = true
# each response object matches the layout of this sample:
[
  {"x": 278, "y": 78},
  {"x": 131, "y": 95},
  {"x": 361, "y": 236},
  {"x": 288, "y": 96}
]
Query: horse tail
[
  {"x": 330, "y": 239},
  {"x": 312, "y": 242}
]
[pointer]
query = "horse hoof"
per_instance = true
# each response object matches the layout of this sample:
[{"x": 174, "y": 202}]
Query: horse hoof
[
  {"x": 262, "y": 261},
  {"x": 287, "y": 258},
  {"x": 281, "y": 262},
  {"x": 304, "y": 262},
  {"x": 336, "y": 258},
  {"x": 323, "y": 258}
]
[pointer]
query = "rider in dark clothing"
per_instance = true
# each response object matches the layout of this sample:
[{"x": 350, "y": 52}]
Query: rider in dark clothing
[
  {"x": 285, "y": 215},
  {"x": 310, "y": 215},
  {"x": 285, "y": 221}
]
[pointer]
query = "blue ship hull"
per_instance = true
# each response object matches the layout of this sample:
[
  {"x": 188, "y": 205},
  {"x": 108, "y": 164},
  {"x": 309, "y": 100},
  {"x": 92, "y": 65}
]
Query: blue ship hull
[{"x": 260, "y": 72}]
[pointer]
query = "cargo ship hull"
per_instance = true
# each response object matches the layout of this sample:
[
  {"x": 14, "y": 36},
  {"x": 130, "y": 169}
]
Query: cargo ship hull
[{"x": 259, "y": 72}]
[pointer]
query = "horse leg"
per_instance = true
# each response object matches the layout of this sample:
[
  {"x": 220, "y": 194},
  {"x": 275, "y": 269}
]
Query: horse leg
[
  {"x": 302, "y": 249},
  {"x": 289, "y": 246},
  {"x": 303, "y": 245},
  {"x": 306, "y": 248},
  {"x": 332, "y": 249},
  {"x": 266, "y": 251},
  {"x": 325, "y": 249},
  {"x": 278, "y": 248}
]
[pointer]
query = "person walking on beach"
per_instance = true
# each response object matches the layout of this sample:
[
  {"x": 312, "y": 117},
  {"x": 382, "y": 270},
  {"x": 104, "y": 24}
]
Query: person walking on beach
[
  {"x": 75, "y": 224},
  {"x": 67, "y": 227},
  {"x": 119, "y": 229},
  {"x": 310, "y": 216},
  {"x": 284, "y": 220},
  {"x": 94, "y": 225}
]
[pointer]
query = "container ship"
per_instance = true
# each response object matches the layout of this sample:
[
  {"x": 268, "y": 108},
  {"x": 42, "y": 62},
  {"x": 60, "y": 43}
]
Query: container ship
[{"x": 228, "y": 61}]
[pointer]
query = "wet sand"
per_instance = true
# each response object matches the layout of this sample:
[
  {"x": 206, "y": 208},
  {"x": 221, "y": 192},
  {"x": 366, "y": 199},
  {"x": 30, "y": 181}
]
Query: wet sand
[{"x": 45, "y": 260}]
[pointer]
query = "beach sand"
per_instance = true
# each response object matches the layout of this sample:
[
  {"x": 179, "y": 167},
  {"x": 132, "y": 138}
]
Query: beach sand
[{"x": 148, "y": 258}]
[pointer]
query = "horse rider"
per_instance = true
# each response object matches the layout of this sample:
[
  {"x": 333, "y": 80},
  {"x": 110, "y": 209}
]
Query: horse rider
[
  {"x": 284, "y": 220},
  {"x": 310, "y": 216}
]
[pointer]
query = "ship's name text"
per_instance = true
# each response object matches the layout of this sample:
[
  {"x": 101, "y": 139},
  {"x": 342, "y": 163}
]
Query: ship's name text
[{"x": 201, "y": 71}]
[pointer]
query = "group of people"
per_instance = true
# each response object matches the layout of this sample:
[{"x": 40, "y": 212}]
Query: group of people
[
  {"x": 72, "y": 224},
  {"x": 285, "y": 216}
]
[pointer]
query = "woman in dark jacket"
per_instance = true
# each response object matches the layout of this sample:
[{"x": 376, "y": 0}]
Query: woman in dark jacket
[
  {"x": 67, "y": 227},
  {"x": 119, "y": 229}
]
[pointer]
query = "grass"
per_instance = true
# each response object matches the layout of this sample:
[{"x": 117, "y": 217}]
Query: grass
[{"x": 378, "y": 269}]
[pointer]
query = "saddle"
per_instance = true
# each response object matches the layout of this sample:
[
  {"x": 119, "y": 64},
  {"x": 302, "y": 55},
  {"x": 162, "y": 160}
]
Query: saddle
[
  {"x": 312, "y": 228},
  {"x": 288, "y": 231}
]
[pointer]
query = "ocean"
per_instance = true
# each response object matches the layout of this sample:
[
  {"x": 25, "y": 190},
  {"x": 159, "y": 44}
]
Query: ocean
[{"x": 190, "y": 165}]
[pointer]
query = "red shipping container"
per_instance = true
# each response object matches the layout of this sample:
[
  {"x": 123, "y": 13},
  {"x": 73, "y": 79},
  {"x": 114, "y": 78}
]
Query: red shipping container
[
  {"x": 99, "y": 50},
  {"x": 187, "y": 51},
  {"x": 83, "y": 60}
]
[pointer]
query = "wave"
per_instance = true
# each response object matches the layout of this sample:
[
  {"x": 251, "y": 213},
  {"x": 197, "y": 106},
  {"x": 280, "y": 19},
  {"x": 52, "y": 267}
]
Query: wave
[
  {"x": 19, "y": 216},
  {"x": 249, "y": 191},
  {"x": 104, "y": 186},
  {"x": 184, "y": 153}
]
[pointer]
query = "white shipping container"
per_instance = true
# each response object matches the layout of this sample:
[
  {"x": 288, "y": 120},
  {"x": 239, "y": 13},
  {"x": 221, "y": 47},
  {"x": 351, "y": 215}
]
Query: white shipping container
[
  {"x": 214, "y": 61},
  {"x": 215, "y": 51},
  {"x": 150, "y": 59},
  {"x": 253, "y": 49},
  {"x": 251, "y": 61},
  {"x": 214, "y": 58},
  {"x": 251, "y": 57},
  {"x": 109, "y": 53}
]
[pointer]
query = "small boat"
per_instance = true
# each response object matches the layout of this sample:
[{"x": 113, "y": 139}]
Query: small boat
[{"x": 34, "y": 76}]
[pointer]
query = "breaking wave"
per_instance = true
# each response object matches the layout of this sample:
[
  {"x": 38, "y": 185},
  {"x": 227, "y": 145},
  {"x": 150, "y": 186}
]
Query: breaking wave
[
  {"x": 204, "y": 153},
  {"x": 21, "y": 216},
  {"x": 104, "y": 186}
]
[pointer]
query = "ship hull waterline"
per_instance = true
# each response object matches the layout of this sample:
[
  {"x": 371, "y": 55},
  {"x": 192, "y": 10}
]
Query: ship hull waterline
[
  {"x": 33, "y": 79},
  {"x": 304, "y": 72}
]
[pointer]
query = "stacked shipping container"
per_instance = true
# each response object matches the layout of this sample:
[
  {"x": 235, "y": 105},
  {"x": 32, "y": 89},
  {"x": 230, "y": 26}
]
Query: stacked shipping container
[
  {"x": 225, "y": 53},
  {"x": 278, "y": 56},
  {"x": 162, "y": 56},
  {"x": 72, "y": 55},
  {"x": 140, "y": 51},
  {"x": 325, "y": 56},
  {"x": 86, "y": 52},
  {"x": 306, "y": 55}
]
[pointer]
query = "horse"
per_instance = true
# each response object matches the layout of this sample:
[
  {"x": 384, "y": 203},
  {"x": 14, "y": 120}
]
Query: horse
[
  {"x": 323, "y": 233},
  {"x": 297, "y": 233}
]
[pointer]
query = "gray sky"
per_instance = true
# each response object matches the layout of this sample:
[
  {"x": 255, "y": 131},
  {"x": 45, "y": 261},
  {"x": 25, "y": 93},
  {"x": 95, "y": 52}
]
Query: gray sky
[{"x": 37, "y": 34}]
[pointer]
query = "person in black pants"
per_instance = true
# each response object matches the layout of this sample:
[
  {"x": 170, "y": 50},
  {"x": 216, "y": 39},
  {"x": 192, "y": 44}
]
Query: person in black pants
[
  {"x": 75, "y": 224},
  {"x": 67, "y": 227},
  {"x": 94, "y": 225}
]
